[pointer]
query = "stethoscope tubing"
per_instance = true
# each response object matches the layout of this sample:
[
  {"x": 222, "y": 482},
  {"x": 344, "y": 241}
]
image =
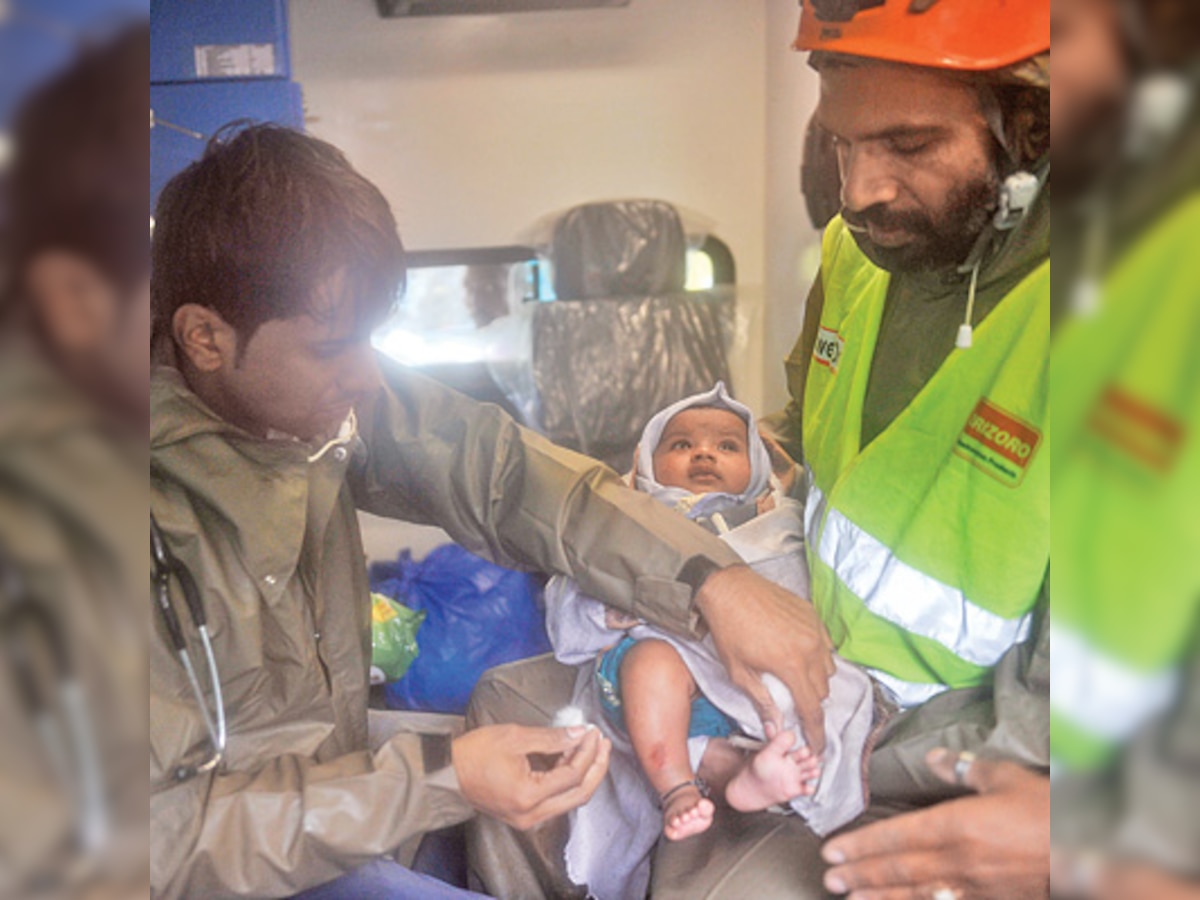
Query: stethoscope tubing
[{"x": 167, "y": 567}]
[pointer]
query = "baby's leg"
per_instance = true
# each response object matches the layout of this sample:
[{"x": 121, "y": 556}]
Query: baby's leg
[
  {"x": 656, "y": 695},
  {"x": 775, "y": 774}
]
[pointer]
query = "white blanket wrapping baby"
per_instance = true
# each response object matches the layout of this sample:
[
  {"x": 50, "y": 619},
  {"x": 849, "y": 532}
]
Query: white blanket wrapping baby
[{"x": 612, "y": 835}]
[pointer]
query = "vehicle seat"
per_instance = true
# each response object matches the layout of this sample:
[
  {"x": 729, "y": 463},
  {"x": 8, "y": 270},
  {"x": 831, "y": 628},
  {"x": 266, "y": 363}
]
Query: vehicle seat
[{"x": 624, "y": 339}]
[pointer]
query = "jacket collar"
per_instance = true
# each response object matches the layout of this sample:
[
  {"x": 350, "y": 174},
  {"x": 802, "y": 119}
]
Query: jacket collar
[
  {"x": 86, "y": 473},
  {"x": 38, "y": 402},
  {"x": 267, "y": 493}
]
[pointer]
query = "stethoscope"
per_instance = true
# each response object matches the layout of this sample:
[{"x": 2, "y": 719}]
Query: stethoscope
[
  {"x": 167, "y": 566},
  {"x": 34, "y": 640}
]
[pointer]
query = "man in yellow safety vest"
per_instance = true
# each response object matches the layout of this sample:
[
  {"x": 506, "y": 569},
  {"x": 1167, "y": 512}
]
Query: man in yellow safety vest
[
  {"x": 1125, "y": 725},
  {"x": 920, "y": 408}
]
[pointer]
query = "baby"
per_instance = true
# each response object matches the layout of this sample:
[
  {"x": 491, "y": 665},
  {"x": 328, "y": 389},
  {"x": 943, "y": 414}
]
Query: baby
[
  {"x": 669, "y": 700},
  {"x": 647, "y": 689}
]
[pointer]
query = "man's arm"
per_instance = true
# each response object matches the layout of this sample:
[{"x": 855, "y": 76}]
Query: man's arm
[
  {"x": 510, "y": 495},
  {"x": 286, "y": 826},
  {"x": 993, "y": 843},
  {"x": 1160, "y": 778},
  {"x": 293, "y": 823},
  {"x": 1148, "y": 797},
  {"x": 1008, "y": 719},
  {"x": 437, "y": 457}
]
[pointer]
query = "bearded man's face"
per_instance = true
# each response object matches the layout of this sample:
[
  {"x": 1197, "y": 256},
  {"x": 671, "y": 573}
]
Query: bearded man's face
[{"x": 917, "y": 162}]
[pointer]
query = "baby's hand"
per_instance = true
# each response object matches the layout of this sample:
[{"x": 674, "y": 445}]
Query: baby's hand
[
  {"x": 783, "y": 466},
  {"x": 619, "y": 621}
]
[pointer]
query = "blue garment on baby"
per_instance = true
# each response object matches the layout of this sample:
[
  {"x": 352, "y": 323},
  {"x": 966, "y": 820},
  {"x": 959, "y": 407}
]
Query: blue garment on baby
[{"x": 706, "y": 721}]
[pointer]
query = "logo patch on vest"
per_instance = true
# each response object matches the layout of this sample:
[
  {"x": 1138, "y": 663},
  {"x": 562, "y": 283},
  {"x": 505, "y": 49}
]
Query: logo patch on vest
[
  {"x": 998, "y": 443},
  {"x": 1149, "y": 435},
  {"x": 828, "y": 349}
]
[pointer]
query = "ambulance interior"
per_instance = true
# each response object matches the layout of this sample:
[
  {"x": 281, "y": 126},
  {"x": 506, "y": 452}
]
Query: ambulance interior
[
  {"x": 600, "y": 199},
  {"x": 640, "y": 159}
]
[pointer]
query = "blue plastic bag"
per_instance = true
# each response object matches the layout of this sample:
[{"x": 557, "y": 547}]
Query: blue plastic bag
[{"x": 478, "y": 615}]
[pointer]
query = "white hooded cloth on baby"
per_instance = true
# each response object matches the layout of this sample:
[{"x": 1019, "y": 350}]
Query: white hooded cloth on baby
[{"x": 614, "y": 833}]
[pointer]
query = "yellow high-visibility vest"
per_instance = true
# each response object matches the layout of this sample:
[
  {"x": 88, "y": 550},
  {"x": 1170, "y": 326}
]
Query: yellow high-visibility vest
[
  {"x": 928, "y": 547},
  {"x": 1126, "y": 531}
]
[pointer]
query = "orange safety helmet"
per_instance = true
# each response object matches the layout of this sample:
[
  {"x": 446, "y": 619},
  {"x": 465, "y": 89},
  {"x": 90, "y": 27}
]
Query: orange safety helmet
[{"x": 967, "y": 35}]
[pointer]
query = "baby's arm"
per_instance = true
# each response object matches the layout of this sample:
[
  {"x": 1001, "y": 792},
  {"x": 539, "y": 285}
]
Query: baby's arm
[
  {"x": 575, "y": 623},
  {"x": 620, "y": 621}
]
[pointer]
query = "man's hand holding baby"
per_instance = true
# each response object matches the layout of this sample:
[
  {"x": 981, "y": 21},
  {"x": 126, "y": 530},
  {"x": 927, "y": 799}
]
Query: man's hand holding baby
[
  {"x": 758, "y": 627},
  {"x": 786, "y": 470}
]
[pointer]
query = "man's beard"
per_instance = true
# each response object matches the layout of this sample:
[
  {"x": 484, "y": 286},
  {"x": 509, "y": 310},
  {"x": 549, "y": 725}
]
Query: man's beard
[
  {"x": 1086, "y": 147},
  {"x": 933, "y": 245}
]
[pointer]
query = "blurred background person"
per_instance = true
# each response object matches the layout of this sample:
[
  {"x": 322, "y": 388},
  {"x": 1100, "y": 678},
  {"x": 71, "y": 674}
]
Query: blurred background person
[
  {"x": 485, "y": 289},
  {"x": 1125, "y": 394},
  {"x": 74, "y": 384}
]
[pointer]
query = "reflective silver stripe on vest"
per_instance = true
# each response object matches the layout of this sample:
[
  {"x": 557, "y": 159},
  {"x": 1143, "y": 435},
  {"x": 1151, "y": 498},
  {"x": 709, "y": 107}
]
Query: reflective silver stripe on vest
[
  {"x": 907, "y": 693},
  {"x": 905, "y": 596},
  {"x": 1104, "y": 697}
]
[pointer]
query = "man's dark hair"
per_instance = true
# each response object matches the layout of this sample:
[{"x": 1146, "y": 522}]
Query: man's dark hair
[
  {"x": 78, "y": 178},
  {"x": 255, "y": 227},
  {"x": 1026, "y": 120}
]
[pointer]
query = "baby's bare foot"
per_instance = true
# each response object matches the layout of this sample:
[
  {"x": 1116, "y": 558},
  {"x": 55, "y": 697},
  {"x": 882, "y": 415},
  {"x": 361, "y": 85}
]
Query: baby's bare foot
[
  {"x": 775, "y": 774},
  {"x": 686, "y": 812}
]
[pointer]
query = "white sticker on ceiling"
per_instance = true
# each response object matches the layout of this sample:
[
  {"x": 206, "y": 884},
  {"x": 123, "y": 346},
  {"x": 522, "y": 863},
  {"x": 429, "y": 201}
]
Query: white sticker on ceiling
[{"x": 234, "y": 60}]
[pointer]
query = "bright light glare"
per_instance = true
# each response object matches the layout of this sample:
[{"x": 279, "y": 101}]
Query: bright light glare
[{"x": 699, "y": 271}]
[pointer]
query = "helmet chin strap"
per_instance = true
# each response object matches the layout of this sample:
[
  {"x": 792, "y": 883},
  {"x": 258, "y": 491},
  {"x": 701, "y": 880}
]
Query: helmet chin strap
[{"x": 1018, "y": 193}]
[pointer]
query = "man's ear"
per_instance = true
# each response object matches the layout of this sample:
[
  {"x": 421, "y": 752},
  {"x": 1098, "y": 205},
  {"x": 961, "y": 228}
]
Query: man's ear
[
  {"x": 206, "y": 339},
  {"x": 75, "y": 305}
]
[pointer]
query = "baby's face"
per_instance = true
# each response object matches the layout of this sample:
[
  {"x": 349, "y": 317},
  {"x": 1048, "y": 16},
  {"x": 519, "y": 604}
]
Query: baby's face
[{"x": 704, "y": 451}]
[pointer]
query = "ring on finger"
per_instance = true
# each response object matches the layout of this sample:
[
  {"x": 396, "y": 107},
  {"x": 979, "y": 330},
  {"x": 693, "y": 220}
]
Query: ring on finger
[
  {"x": 962, "y": 766},
  {"x": 946, "y": 893}
]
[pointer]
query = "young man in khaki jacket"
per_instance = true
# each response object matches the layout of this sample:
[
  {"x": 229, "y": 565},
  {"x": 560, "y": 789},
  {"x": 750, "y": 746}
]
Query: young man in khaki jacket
[
  {"x": 270, "y": 428},
  {"x": 74, "y": 367}
]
